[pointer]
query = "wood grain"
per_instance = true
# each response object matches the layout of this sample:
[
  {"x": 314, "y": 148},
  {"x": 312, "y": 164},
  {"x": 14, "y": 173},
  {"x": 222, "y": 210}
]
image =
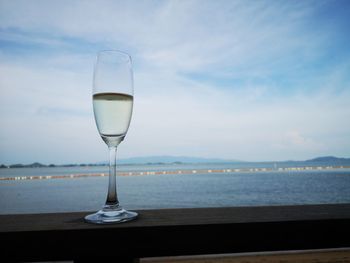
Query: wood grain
[{"x": 315, "y": 256}]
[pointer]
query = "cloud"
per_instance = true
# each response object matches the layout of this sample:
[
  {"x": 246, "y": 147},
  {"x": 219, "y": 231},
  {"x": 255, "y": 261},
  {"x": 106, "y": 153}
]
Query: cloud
[
  {"x": 180, "y": 116},
  {"x": 235, "y": 124},
  {"x": 213, "y": 79},
  {"x": 296, "y": 139},
  {"x": 184, "y": 34}
]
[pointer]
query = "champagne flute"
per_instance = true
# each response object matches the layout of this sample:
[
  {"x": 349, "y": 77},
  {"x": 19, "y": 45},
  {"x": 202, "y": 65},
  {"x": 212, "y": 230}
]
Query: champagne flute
[{"x": 112, "y": 103}]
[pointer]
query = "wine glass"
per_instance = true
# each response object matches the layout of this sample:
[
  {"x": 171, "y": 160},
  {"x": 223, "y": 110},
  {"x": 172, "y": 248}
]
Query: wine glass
[{"x": 112, "y": 102}]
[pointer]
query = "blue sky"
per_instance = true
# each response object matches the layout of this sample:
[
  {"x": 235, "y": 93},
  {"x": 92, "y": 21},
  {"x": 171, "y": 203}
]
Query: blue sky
[{"x": 249, "y": 80}]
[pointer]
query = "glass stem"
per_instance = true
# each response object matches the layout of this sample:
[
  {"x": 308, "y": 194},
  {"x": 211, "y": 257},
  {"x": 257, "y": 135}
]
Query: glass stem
[{"x": 112, "y": 198}]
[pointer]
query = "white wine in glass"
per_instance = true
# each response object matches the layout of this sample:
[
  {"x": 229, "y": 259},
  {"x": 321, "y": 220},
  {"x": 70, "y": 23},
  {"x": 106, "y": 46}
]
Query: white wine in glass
[
  {"x": 113, "y": 102},
  {"x": 109, "y": 107}
]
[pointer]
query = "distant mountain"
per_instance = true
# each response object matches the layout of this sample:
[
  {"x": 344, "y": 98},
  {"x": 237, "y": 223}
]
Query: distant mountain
[
  {"x": 166, "y": 159},
  {"x": 329, "y": 159},
  {"x": 172, "y": 159},
  {"x": 32, "y": 165}
]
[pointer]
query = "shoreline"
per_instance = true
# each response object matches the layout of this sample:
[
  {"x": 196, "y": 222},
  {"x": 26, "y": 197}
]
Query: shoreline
[{"x": 185, "y": 171}]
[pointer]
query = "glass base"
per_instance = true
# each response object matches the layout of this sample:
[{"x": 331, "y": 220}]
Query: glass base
[{"x": 109, "y": 215}]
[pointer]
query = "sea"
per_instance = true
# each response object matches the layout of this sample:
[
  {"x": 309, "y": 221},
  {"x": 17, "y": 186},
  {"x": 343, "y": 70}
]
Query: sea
[{"x": 159, "y": 186}]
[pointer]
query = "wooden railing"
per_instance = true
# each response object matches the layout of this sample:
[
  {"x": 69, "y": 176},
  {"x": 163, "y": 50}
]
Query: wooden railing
[{"x": 173, "y": 232}]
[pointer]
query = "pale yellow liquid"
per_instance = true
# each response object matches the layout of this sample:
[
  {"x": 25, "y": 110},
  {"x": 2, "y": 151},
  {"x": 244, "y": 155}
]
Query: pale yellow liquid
[{"x": 112, "y": 113}]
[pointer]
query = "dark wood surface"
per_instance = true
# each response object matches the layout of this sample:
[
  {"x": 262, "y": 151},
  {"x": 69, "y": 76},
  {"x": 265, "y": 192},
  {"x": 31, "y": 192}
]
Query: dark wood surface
[
  {"x": 171, "y": 232},
  {"x": 300, "y": 256}
]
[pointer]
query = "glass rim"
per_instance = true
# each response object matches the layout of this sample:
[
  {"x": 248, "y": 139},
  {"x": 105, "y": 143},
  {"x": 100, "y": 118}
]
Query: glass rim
[{"x": 113, "y": 51}]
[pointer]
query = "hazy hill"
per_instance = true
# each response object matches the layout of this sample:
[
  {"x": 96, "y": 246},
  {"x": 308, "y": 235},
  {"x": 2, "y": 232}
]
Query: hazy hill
[
  {"x": 187, "y": 159},
  {"x": 166, "y": 159},
  {"x": 329, "y": 159},
  {"x": 173, "y": 159}
]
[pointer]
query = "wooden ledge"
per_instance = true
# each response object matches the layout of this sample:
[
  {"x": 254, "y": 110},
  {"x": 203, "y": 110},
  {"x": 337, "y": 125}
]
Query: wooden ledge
[{"x": 172, "y": 232}]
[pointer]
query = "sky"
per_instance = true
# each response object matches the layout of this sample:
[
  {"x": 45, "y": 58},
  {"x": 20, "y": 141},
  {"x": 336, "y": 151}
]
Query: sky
[{"x": 248, "y": 80}]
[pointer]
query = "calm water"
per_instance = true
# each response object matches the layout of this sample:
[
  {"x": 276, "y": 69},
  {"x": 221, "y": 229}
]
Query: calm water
[{"x": 170, "y": 191}]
